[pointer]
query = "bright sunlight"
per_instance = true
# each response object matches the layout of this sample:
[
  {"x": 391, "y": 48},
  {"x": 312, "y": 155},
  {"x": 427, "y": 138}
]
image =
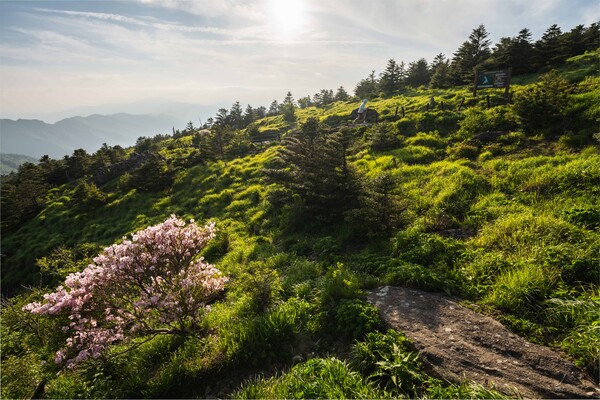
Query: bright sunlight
[{"x": 287, "y": 16}]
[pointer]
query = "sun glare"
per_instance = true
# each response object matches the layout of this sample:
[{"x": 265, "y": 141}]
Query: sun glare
[{"x": 287, "y": 16}]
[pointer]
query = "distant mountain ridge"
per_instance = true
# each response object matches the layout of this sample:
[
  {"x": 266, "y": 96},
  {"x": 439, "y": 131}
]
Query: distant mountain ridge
[
  {"x": 36, "y": 138},
  {"x": 10, "y": 162}
]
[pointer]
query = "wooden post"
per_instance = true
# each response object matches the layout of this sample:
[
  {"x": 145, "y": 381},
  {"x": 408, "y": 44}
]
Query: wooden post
[
  {"x": 396, "y": 114},
  {"x": 462, "y": 101},
  {"x": 506, "y": 88},
  {"x": 403, "y": 114},
  {"x": 442, "y": 105}
]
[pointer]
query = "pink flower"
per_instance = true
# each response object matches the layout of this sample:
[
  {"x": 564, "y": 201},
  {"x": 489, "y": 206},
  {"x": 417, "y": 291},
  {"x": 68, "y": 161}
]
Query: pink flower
[{"x": 149, "y": 280}]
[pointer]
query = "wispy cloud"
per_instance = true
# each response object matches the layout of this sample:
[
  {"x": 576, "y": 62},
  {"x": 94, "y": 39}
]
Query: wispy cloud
[{"x": 231, "y": 50}]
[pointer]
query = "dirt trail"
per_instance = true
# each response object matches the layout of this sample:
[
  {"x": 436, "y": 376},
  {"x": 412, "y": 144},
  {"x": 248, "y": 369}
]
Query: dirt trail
[{"x": 457, "y": 343}]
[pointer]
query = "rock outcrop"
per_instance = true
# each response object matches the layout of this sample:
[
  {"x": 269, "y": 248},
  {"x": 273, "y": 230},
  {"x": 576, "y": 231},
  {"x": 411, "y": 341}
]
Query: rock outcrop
[{"x": 457, "y": 343}]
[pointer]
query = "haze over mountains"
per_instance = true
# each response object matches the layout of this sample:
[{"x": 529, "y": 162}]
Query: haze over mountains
[{"x": 35, "y": 138}]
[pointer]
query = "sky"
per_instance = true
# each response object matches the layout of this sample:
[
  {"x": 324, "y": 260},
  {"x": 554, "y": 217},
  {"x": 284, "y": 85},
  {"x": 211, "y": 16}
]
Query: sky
[{"x": 56, "y": 56}]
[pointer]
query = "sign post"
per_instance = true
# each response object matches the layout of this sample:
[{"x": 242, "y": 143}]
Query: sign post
[{"x": 492, "y": 79}]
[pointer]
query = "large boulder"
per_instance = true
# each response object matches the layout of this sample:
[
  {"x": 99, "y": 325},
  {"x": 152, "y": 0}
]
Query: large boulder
[
  {"x": 372, "y": 115},
  {"x": 457, "y": 343}
]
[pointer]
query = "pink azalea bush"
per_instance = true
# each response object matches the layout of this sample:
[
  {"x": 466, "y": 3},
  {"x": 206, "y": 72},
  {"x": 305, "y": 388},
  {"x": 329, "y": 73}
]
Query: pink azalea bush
[{"x": 151, "y": 284}]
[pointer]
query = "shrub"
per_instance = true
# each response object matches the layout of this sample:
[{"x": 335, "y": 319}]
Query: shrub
[
  {"x": 429, "y": 249},
  {"x": 382, "y": 137},
  {"x": 355, "y": 318},
  {"x": 477, "y": 120},
  {"x": 261, "y": 284},
  {"x": 542, "y": 108},
  {"x": 89, "y": 195},
  {"x": 338, "y": 284},
  {"x": 149, "y": 285},
  {"x": 462, "y": 150}
]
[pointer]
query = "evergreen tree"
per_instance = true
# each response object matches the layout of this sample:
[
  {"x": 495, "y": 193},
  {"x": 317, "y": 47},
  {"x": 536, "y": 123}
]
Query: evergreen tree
[
  {"x": 390, "y": 80},
  {"x": 78, "y": 164},
  {"x": 381, "y": 204},
  {"x": 551, "y": 49},
  {"x": 189, "y": 128},
  {"x": 222, "y": 117},
  {"x": 22, "y": 195},
  {"x": 470, "y": 55},
  {"x": 515, "y": 52},
  {"x": 249, "y": 115},
  {"x": 574, "y": 41},
  {"x": 236, "y": 118},
  {"x": 440, "y": 72},
  {"x": 305, "y": 102},
  {"x": 55, "y": 171},
  {"x": 341, "y": 94},
  {"x": 218, "y": 140},
  {"x": 323, "y": 97},
  {"x": 367, "y": 88},
  {"x": 312, "y": 165},
  {"x": 591, "y": 37},
  {"x": 273, "y": 108},
  {"x": 522, "y": 53},
  {"x": 383, "y": 136},
  {"x": 260, "y": 112},
  {"x": 418, "y": 73},
  {"x": 288, "y": 109},
  {"x": 542, "y": 108},
  {"x": 153, "y": 175}
]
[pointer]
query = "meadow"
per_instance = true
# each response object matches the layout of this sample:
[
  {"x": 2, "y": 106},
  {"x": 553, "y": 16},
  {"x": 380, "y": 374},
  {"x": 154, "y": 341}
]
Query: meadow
[{"x": 486, "y": 203}]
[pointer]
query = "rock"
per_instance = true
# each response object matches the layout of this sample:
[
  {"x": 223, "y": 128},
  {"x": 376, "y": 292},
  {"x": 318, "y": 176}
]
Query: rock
[
  {"x": 372, "y": 115},
  {"x": 481, "y": 349}
]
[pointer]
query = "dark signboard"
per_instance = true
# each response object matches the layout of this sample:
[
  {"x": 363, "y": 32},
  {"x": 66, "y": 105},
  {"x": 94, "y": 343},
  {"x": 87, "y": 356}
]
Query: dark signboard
[{"x": 493, "y": 79}]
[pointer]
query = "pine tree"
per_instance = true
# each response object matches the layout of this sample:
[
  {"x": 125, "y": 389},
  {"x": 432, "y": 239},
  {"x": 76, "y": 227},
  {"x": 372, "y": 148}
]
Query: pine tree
[
  {"x": 305, "y": 102},
  {"x": 551, "y": 49},
  {"x": 222, "y": 117},
  {"x": 236, "y": 118},
  {"x": 341, "y": 94},
  {"x": 273, "y": 108},
  {"x": 249, "y": 115},
  {"x": 523, "y": 53},
  {"x": 288, "y": 109},
  {"x": 470, "y": 55},
  {"x": 381, "y": 204},
  {"x": 367, "y": 88},
  {"x": 418, "y": 73},
  {"x": 312, "y": 165},
  {"x": 440, "y": 72},
  {"x": 390, "y": 80}
]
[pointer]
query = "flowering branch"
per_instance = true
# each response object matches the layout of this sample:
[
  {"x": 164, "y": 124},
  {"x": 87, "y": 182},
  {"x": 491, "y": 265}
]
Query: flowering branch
[{"x": 151, "y": 284}]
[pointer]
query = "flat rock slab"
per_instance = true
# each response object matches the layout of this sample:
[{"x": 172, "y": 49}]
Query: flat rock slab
[{"x": 457, "y": 344}]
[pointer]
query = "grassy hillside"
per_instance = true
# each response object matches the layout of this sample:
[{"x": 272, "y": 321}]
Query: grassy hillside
[{"x": 480, "y": 203}]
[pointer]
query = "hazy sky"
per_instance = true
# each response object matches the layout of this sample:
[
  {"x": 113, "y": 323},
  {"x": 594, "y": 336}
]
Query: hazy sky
[{"x": 56, "y": 55}]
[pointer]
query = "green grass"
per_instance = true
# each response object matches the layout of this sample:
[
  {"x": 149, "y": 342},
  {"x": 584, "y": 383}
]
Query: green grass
[{"x": 510, "y": 223}]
